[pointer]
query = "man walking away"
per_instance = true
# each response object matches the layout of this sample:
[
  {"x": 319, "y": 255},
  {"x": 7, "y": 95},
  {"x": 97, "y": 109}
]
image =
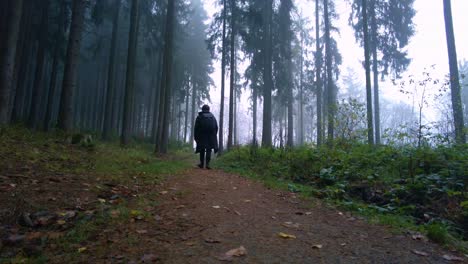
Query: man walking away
[{"x": 206, "y": 130}]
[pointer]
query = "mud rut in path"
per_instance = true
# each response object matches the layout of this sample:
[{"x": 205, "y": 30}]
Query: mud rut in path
[{"x": 205, "y": 213}]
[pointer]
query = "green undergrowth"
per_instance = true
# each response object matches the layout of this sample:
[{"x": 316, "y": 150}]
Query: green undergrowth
[
  {"x": 55, "y": 153},
  {"x": 419, "y": 189},
  {"x": 137, "y": 162},
  {"x": 98, "y": 165}
]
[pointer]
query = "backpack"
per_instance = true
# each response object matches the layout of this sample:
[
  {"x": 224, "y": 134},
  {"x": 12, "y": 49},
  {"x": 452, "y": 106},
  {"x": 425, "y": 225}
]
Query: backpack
[{"x": 207, "y": 123}]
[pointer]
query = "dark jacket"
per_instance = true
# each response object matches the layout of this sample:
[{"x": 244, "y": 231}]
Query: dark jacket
[{"x": 206, "y": 129}]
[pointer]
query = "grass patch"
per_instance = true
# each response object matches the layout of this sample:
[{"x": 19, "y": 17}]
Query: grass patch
[{"x": 126, "y": 164}]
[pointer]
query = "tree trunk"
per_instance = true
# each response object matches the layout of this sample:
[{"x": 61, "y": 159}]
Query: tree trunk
[
  {"x": 234, "y": 117},
  {"x": 231, "y": 89},
  {"x": 186, "y": 114},
  {"x": 55, "y": 63},
  {"x": 161, "y": 107},
  {"x": 40, "y": 63},
  {"x": 8, "y": 60},
  {"x": 179, "y": 121},
  {"x": 5, "y": 15},
  {"x": 65, "y": 121},
  {"x": 130, "y": 76},
  {"x": 460, "y": 137},
  {"x": 223, "y": 76},
  {"x": 375, "y": 72},
  {"x": 173, "y": 135},
  {"x": 370, "y": 133},
  {"x": 95, "y": 95},
  {"x": 157, "y": 100},
  {"x": 288, "y": 67},
  {"x": 301, "y": 93},
  {"x": 331, "y": 101},
  {"x": 152, "y": 98},
  {"x": 162, "y": 146},
  {"x": 267, "y": 74},
  {"x": 110, "y": 74},
  {"x": 254, "y": 111},
  {"x": 318, "y": 66},
  {"x": 21, "y": 62},
  {"x": 192, "y": 126},
  {"x": 281, "y": 144}
]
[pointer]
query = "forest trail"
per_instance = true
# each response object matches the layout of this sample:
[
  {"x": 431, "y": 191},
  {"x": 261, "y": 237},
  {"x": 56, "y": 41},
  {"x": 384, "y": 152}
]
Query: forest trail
[
  {"x": 88, "y": 215},
  {"x": 202, "y": 214}
]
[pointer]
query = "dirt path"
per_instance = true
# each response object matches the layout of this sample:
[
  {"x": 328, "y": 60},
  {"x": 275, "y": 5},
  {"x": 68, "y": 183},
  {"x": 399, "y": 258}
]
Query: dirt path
[
  {"x": 196, "y": 217},
  {"x": 203, "y": 214}
]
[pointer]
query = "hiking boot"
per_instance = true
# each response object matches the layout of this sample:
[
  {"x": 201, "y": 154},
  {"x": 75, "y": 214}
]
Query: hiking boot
[
  {"x": 208, "y": 167},
  {"x": 200, "y": 166}
]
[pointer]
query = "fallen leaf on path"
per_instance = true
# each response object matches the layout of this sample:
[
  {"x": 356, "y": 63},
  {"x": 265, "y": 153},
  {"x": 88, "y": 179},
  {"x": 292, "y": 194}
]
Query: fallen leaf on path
[
  {"x": 237, "y": 213},
  {"x": 44, "y": 220},
  {"x": 82, "y": 249},
  {"x": 287, "y": 236},
  {"x": 308, "y": 213},
  {"x": 180, "y": 206},
  {"x": 418, "y": 237},
  {"x": 163, "y": 192},
  {"x": 236, "y": 252},
  {"x": 101, "y": 200},
  {"x": 61, "y": 222},
  {"x": 290, "y": 225},
  {"x": 68, "y": 214},
  {"x": 343, "y": 244},
  {"x": 136, "y": 214},
  {"x": 216, "y": 206},
  {"x": 142, "y": 232},
  {"x": 190, "y": 244},
  {"x": 317, "y": 246},
  {"x": 247, "y": 201},
  {"x": 420, "y": 253},
  {"x": 54, "y": 235},
  {"x": 157, "y": 218},
  {"x": 452, "y": 258},
  {"x": 114, "y": 213},
  {"x": 149, "y": 258},
  {"x": 212, "y": 241},
  {"x": 34, "y": 236}
]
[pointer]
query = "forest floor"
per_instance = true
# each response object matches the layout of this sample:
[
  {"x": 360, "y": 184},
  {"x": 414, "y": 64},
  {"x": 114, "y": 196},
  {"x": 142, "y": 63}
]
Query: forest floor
[{"x": 53, "y": 214}]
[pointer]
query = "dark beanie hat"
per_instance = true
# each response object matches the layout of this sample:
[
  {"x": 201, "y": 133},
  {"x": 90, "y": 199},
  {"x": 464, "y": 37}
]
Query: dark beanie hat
[{"x": 205, "y": 108}]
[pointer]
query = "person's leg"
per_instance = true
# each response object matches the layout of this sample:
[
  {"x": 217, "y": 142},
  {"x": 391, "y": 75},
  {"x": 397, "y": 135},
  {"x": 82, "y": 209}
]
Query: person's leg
[
  {"x": 202, "y": 158},
  {"x": 208, "y": 158}
]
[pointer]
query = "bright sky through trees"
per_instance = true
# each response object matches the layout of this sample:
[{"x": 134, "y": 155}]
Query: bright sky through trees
[{"x": 426, "y": 48}]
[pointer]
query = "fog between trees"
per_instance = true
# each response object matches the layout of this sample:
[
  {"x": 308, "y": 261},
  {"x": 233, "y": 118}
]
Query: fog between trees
[{"x": 140, "y": 69}]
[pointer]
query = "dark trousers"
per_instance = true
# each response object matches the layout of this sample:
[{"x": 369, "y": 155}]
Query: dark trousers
[{"x": 202, "y": 156}]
